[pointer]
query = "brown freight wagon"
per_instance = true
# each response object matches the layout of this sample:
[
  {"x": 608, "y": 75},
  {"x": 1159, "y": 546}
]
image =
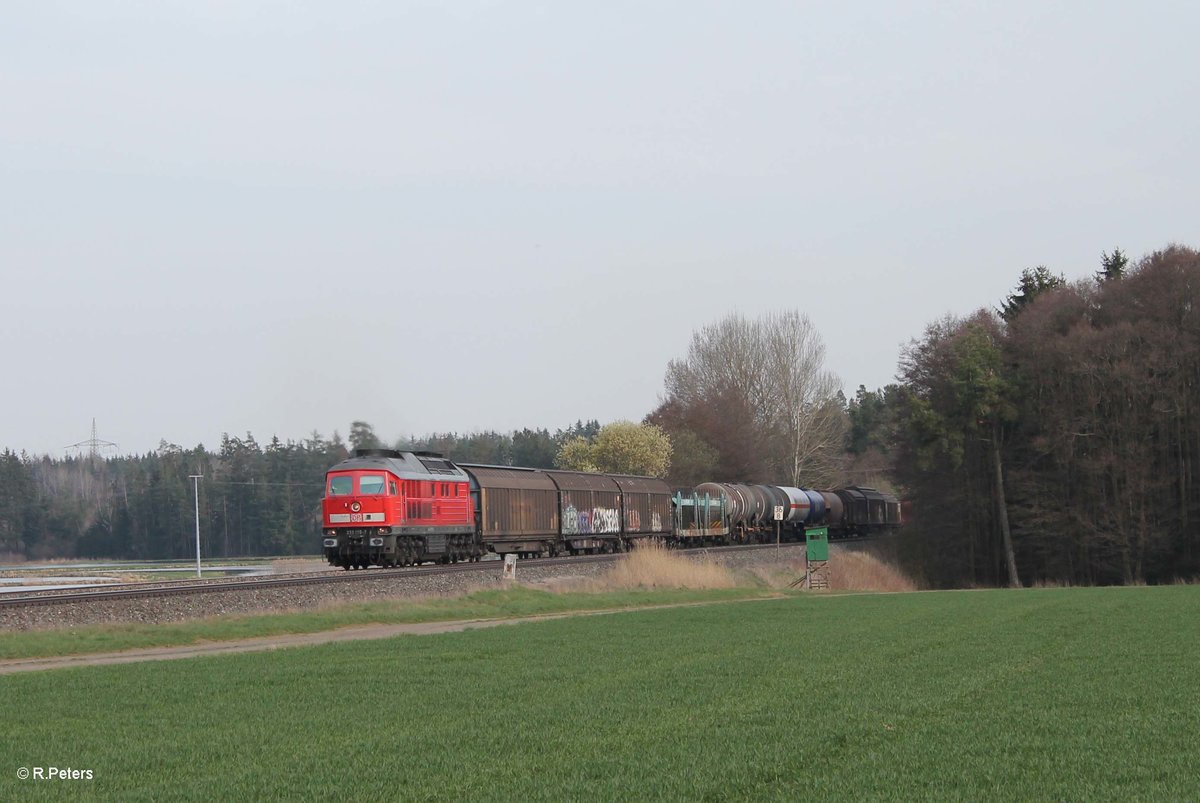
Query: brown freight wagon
[
  {"x": 590, "y": 510},
  {"x": 645, "y": 506},
  {"x": 517, "y": 508}
]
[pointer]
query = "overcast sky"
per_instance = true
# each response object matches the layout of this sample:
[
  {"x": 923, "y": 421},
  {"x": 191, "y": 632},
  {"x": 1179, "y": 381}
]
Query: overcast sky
[{"x": 280, "y": 217}]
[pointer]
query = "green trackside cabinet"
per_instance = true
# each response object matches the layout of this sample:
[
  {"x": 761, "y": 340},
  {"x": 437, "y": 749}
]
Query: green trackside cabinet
[{"x": 817, "y": 543}]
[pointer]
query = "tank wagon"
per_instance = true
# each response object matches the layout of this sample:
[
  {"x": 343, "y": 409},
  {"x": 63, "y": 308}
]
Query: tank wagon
[
  {"x": 390, "y": 508},
  {"x": 727, "y": 513}
]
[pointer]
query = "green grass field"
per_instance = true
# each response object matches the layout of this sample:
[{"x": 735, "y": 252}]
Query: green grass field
[
  {"x": 1063, "y": 694},
  {"x": 499, "y": 604}
]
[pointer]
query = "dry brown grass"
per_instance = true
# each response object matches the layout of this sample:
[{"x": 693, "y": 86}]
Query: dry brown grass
[
  {"x": 848, "y": 571},
  {"x": 649, "y": 566},
  {"x": 862, "y": 571},
  {"x": 652, "y": 566}
]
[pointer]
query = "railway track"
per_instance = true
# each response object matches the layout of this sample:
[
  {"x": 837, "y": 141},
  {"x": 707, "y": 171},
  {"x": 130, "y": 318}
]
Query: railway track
[
  {"x": 260, "y": 582},
  {"x": 145, "y": 590}
]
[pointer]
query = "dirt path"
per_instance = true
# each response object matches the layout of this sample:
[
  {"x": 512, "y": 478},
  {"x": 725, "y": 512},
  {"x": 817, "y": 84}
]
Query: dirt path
[{"x": 361, "y": 633}]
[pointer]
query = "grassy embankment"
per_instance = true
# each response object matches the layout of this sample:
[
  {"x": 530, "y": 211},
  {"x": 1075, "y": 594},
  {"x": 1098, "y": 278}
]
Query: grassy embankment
[
  {"x": 497, "y": 604},
  {"x": 648, "y": 577},
  {"x": 1043, "y": 694}
]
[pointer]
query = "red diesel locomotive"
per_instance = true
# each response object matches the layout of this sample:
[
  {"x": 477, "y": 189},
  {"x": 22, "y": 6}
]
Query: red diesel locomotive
[{"x": 389, "y": 508}]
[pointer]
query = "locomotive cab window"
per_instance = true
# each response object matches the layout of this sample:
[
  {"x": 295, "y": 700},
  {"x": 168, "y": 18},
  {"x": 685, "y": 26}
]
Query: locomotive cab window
[
  {"x": 370, "y": 485},
  {"x": 392, "y": 487},
  {"x": 341, "y": 486}
]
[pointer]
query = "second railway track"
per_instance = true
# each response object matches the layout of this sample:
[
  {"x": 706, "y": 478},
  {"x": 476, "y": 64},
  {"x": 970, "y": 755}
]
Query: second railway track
[{"x": 264, "y": 583}]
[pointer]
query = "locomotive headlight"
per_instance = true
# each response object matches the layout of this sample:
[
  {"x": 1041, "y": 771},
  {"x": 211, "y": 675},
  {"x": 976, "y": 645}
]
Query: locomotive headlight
[{"x": 383, "y": 530}]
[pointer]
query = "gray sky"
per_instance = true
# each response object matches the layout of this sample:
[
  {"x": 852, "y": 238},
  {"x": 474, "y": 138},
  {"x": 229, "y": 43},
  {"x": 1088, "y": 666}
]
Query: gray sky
[{"x": 279, "y": 217}]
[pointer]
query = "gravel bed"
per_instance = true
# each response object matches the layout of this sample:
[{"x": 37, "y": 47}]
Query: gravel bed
[
  {"x": 244, "y": 601},
  {"x": 746, "y": 560}
]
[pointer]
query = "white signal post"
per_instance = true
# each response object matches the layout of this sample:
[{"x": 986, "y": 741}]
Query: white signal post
[{"x": 196, "y": 481}]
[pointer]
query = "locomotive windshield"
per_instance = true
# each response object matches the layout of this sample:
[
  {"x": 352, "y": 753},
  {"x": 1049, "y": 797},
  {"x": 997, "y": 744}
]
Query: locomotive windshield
[
  {"x": 370, "y": 485},
  {"x": 341, "y": 486}
]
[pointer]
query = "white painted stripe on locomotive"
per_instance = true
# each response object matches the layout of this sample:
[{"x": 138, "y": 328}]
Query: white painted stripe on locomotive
[{"x": 347, "y": 518}]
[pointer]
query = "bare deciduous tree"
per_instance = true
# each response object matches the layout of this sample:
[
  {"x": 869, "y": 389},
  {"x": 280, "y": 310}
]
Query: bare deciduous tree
[{"x": 768, "y": 373}]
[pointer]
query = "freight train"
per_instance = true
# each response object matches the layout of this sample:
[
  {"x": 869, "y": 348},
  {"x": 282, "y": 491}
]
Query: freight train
[{"x": 390, "y": 508}]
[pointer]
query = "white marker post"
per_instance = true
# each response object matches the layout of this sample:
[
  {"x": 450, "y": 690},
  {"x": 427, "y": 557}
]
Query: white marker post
[
  {"x": 778, "y": 518},
  {"x": 196, "y": 478}
]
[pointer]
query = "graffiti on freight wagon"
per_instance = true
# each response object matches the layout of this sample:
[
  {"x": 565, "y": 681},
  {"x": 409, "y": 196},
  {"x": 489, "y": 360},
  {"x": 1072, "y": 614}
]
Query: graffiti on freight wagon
[
  {"x": 633, "y": 522},
  {"x": 589, "y": 522},
  {"x": 606, "y": 520},
  {"x": 570, "y": 520}
]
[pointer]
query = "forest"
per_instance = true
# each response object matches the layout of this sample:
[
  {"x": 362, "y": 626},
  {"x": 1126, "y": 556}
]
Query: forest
[
  {"x": 253, "y": 500},
  {"x": 1051, "y": 438},
  {"x": 1056, "y": 439}
]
